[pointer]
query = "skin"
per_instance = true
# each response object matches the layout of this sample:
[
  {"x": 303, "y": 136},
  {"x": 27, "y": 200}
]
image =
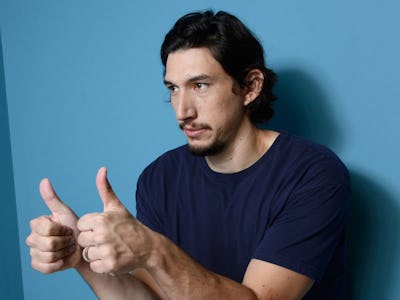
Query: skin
[
  {"x": 211, "y": 111},
  {"x": 212, "y": 108}
]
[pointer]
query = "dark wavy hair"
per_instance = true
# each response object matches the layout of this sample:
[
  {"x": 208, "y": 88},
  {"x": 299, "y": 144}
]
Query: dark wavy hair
[{"x": 233, "y": 45}]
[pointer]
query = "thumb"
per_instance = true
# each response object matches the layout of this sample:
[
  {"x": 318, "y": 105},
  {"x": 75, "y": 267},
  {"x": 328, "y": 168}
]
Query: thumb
[
  {"x": 51, "y": 199},
  {"x": 107, "y": 195}
]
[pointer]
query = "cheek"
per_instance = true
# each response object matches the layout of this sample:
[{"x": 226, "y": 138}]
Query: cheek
[
  {"x": 221, "y": 109},
  {"x": 231, "y": 109},
  {"x": 226, "y": 117}
]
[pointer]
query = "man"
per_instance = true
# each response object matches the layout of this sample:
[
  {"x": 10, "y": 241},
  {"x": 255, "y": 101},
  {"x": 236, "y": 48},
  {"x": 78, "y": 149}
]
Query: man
[{"x": 237, "y": 213}]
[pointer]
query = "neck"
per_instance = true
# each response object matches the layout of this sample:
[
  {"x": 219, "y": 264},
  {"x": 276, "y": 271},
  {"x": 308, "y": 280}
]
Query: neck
[{"x": 247, "y": 148}]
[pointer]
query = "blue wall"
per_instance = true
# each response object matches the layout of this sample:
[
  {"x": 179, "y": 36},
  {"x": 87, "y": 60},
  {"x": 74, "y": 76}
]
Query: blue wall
[
  {"x": 10, "y": 265},
  {"x": 84, "y": 89}
]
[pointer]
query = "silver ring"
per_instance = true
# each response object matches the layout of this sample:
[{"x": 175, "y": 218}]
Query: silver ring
[{"x": 85, "y": 254}]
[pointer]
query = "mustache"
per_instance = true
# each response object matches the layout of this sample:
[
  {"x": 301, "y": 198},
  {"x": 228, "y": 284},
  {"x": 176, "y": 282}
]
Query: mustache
[{"x": 193, "y": 125}]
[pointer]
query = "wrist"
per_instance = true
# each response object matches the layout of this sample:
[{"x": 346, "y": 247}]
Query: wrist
[
  {"x": 82, "y": 266},
  {"x": 158, "y": 253}
]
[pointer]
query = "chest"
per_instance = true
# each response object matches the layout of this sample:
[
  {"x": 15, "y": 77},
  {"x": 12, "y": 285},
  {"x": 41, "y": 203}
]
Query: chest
[{"x": 222, "y": 215}]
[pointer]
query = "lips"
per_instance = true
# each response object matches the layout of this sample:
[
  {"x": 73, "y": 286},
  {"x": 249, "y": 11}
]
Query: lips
[{"x": 193, "y": 132}]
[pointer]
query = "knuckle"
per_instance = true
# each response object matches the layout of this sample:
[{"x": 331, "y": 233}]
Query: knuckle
[
  {"x": 51, "y": 244},
  {"x": 29, "y": 241},
  {"x": 111, "y": 264},
  {"x": 32, "y": 223},
  {"x": 47, "y": 269},
  {"x": 42, "y": 268},
  {"x": 101, "y": 220},
  {"x": 50, "y": 257},
  {"x": 80, "y": 239},
  {"x": 82, "y": 221},
  {"x": 33, "y": 265},
  {"x": 45, "y": 230},
  {"x": 36, "y": 224},
  {"x": 100, "y": 238},
  {"x": 108, "y": 252},
  {"x": 97, "y": 267},
  {"x": 51, "y": 228},
  {"x": 79, "y": 223}
]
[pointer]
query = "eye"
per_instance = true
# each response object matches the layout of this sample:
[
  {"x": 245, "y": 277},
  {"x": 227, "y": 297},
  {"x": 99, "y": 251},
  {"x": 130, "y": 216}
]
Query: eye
[
  {"x": 201, "y": 85},
  {"x": 172, "y": 89}
]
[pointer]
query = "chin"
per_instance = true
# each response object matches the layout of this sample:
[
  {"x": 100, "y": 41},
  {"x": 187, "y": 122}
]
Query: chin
[{"x": 215, "y": 148}]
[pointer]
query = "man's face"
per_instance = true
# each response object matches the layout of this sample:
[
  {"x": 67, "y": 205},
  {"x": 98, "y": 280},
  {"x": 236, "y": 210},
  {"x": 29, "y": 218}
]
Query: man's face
[{"x": 207, "y": 109}]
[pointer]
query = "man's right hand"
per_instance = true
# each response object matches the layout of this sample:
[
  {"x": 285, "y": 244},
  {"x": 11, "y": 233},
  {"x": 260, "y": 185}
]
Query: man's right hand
[{"x": 53, "y": 239}]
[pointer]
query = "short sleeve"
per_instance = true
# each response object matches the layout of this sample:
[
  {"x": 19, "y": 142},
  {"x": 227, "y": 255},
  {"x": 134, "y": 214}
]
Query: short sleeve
[
  {"x": 146, "y": 208},
  {"x": 310, "y": 225}
]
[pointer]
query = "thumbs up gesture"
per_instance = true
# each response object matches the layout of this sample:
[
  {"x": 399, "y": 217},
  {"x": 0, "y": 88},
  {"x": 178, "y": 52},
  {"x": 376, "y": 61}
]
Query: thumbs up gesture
[
  {"x": 113, "y": 241},
  {"x": 52, "y": 241}
]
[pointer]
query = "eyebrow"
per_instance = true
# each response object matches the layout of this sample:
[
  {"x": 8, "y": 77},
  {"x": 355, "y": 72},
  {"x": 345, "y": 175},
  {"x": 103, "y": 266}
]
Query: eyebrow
[{"x": 191, "y": 79}]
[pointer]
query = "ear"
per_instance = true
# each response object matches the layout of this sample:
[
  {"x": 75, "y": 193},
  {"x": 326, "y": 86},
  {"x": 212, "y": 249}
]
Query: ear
[{"x": 255, "y": 82}]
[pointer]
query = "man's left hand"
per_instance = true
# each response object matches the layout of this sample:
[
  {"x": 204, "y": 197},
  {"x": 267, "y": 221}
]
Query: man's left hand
[{"x": 115, "y": 241}]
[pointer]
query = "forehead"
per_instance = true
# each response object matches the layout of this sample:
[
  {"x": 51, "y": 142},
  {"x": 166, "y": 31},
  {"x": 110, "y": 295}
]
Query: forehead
[{"x": 188, "y": 63}]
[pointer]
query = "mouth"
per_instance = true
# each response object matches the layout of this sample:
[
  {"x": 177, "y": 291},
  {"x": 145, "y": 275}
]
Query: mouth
[{"x": 194, "y": 131}]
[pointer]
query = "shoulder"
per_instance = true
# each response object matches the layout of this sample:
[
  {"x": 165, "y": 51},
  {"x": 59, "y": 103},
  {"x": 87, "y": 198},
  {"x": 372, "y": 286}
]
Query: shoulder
[
  {"x": 297, "y": 146},
  {"x": 160, "y": 175},
  {"x": 311, "y": 160},
  {"x": 168, "y": 162},
  {"x": 173, "y": 157}
]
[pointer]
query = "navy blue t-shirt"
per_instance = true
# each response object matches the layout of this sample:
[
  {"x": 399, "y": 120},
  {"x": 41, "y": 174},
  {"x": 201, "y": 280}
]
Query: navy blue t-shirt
[{"x": 289, "y": 208}]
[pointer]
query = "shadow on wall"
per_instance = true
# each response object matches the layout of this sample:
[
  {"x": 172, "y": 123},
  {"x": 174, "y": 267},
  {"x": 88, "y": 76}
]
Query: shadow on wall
[
  {"x": 374, "y": 243},
  {"x": 303, "y": 108},
  {"x": 10, "y": 264}
]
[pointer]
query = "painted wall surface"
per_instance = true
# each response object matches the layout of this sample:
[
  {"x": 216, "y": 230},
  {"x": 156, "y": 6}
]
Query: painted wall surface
[
  {"x": 84, "y": 89},
  {"x": 10, "y": 264}
]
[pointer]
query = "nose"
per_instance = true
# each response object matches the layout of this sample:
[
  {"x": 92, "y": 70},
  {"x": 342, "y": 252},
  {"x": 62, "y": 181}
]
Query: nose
[{"x": 184, "y": 106}]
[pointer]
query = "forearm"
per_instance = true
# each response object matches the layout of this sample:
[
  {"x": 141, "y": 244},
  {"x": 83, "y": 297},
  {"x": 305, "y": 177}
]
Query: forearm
[
  {"x": 181, "y": 277},
  {"x": 116, "y": 288}
]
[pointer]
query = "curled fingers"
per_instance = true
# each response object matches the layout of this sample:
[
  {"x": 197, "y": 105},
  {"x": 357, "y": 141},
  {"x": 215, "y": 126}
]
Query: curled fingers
[
  {"x": 49, "y": 243},
  {"x": 45, "y": 226},
  {"x": 51, "y": 256}
]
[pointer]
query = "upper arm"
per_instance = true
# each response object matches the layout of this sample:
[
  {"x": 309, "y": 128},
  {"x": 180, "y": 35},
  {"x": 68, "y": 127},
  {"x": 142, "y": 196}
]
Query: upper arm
[{"x": 270, "y": 281}]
